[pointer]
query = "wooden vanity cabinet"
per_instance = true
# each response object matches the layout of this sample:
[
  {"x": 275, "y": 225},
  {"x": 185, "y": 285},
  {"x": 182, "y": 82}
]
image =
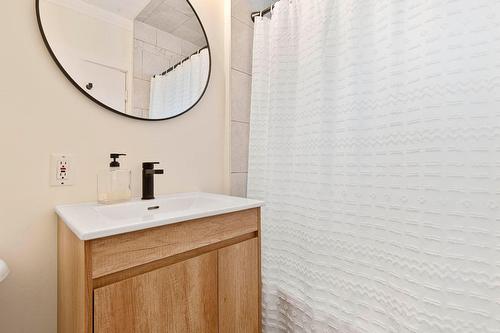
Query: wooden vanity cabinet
[
  {"x": 181, "y": 297},
  {"x": 201, "y": 275}
]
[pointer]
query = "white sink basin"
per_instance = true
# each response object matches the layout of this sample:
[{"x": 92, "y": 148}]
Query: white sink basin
[{"x": 91, "y": 220}]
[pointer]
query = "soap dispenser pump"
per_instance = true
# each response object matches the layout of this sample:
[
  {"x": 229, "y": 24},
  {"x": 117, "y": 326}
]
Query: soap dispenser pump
[
  {"x": 113, "y": 185},
  {"x": 114, "y": 163}
]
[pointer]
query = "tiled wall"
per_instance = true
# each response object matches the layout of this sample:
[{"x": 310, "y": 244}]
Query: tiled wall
[
  {"x": 154, "y": 52},
  {"x": 241, "y": 82}
]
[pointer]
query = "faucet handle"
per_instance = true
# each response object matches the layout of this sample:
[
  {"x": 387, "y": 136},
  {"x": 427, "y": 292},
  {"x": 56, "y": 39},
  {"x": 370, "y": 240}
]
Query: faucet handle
[{"x": 149, "y": 165}]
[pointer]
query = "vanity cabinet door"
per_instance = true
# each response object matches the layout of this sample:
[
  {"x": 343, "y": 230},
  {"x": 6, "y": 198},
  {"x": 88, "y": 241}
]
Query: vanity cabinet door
[
  {"x": 177, "y": 298},
  {"x": 239, "y": 288}
]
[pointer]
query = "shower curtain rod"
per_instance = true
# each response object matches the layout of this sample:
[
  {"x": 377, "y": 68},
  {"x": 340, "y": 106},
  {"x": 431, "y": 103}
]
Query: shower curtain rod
[
  {"x": 261, "y": 13},
  {"x": 180, "y": 62}
]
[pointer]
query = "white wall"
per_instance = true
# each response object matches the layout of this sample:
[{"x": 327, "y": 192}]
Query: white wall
[
  {"x": 77, "y": 37},
  {"x": 87, "y": 37},
  {"x": 43, "y": 113}
]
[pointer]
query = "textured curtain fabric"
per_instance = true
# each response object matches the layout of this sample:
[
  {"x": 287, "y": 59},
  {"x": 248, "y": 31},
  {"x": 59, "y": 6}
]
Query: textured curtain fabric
[
  {"x": 179, "y": 89},
  {"x": 375, "y": 142}
]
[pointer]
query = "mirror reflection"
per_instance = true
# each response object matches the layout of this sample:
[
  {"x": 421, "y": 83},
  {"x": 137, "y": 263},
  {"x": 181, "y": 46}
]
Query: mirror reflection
[{"x": 147, "y": 59}]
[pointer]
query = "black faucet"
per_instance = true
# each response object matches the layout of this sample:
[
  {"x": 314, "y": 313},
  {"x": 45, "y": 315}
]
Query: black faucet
[{"x": 148, "y": 179}]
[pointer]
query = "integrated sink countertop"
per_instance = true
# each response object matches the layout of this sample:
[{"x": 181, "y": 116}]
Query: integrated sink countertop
[{"x": 92, "y": 220}]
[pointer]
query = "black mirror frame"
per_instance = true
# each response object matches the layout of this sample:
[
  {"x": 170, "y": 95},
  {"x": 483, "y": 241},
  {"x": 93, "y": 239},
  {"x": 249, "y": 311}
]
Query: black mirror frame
[{"x": 61, "y": 67}]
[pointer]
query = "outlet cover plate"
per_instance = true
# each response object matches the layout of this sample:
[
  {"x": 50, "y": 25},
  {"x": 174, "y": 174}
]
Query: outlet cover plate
[{"x": 61, "y": 170}]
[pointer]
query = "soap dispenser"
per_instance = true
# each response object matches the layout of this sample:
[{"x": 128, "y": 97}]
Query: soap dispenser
[{"x": 113, "y": 185}]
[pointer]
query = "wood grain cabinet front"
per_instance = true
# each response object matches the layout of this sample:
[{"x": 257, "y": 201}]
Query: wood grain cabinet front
[
  {"x": 178, "y": 298},
  {"x": 239, "y": 287},
  {"x": 209, "y": 285}
]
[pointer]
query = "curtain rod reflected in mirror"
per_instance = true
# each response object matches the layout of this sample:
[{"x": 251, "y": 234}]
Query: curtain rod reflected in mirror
[
  {"x": 180, "y": 62},
  {"x": 112, "y": 51}
]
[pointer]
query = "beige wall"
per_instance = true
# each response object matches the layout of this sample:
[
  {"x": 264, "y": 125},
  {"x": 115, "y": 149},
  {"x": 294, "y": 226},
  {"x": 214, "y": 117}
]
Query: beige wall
[{"x": 43, "y": 113}]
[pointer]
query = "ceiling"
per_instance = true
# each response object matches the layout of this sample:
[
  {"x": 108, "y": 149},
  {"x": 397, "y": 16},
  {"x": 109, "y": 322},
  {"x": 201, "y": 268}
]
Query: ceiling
[
  {"x": 128, "y": 9},
  {"x": 175, "y": 17}
]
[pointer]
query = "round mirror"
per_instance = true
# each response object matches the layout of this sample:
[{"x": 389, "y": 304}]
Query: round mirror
[{"x": 145, "y": 59}]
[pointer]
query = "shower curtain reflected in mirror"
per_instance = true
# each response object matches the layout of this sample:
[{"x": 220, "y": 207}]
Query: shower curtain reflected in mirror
[
  {"x": 375, "y": 143},
  {"x": 179, "y": 89}
]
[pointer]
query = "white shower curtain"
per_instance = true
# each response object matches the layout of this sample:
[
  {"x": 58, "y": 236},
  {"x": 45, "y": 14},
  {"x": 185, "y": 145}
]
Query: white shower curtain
[
  {"x": 375, "y": 142},
  {"x": 179, "y": 89}
]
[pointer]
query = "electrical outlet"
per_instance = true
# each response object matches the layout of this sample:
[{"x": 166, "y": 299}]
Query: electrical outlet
[{"x": 61, "y": 170}]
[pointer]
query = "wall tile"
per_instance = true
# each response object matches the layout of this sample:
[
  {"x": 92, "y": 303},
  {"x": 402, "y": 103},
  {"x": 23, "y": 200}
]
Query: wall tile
[
  {"x": 173, "y": 58},
  {"x": 241, "y": 90},
  {"x": 151, "y": 48},
  {"x": 239, "y": 146},
  {"x": 239, "y": 184},
  {"x": 191, "y": 35},
  {"x": 137, "y": 112},
  {"x": 241, "y": 10},
  {"x": 141, "y": 94},
  {"x": 137, "y": 61},
  {"x": 142, "y": 113},
  {"x": 241, "y": 53},
  {"x": 144, "y": 32},
  {"x": 241, "y": 46},
  {"x": 188, "y": 48},
  {"x": 169, "y": 42},
  {"x": 153, "y": 63}
]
